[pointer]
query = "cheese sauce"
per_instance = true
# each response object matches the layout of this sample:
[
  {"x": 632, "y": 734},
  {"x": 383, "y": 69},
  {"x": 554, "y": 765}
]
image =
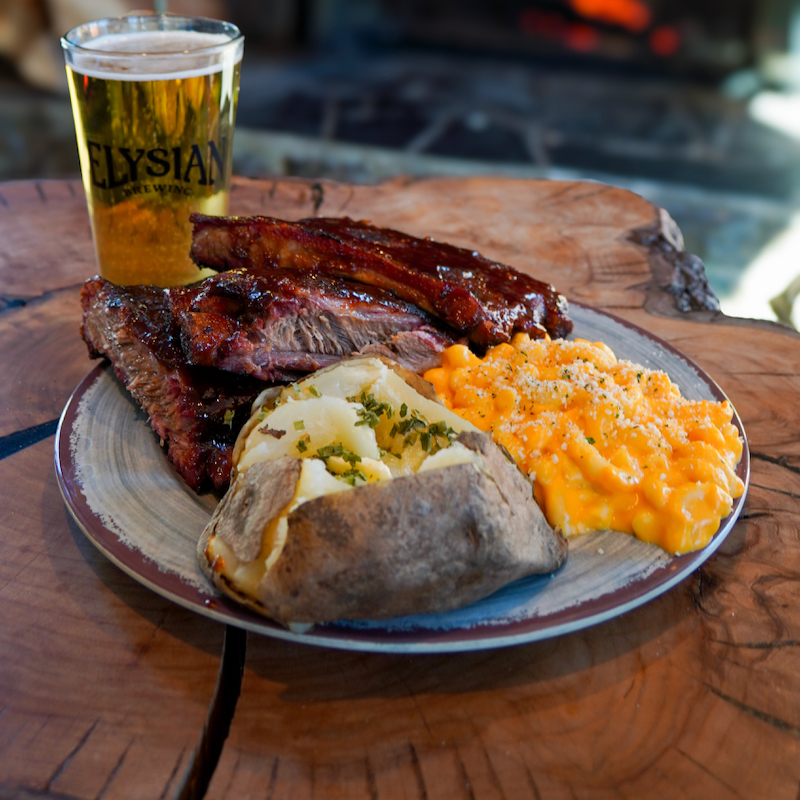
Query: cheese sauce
[{"x": 608, "y": 444}]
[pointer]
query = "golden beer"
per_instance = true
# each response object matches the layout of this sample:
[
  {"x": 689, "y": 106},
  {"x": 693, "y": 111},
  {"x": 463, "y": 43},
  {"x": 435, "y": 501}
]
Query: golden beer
[{"x": 154, "y": 115}]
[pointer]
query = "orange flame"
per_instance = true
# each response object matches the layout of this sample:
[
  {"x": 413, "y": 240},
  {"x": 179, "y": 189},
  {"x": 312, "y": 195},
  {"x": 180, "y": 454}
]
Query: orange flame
[{"x": 631, "y": 14}]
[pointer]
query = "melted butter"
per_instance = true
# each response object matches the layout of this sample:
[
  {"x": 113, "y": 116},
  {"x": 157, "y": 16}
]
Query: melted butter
[{"x": 607, "y": 443}]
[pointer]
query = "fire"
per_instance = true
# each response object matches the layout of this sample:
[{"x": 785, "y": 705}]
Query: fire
[
  {"x": 631, "y": 14},
  {"x": 584, "y": 36}
]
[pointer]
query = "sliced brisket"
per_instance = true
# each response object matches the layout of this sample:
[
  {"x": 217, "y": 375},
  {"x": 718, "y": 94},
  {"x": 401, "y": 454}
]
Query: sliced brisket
[{"x": 482, "y": 299}]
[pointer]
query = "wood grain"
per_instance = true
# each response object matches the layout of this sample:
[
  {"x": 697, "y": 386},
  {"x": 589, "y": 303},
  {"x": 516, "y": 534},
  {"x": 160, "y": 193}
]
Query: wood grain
[
  {"x": 42, "y": 356},
  {"x": 694, "y": 695},
  {"x": 47, "y": 239},
  {"x": 105, "y": 688}
]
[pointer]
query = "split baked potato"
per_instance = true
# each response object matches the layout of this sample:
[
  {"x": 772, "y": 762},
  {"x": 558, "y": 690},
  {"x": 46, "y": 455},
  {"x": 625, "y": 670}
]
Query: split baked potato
[{"x": 357, "y": 495}]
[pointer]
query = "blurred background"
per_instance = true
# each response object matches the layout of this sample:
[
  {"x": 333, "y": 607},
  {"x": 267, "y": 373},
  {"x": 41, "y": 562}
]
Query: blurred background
[{"x": 694, "y": 104}]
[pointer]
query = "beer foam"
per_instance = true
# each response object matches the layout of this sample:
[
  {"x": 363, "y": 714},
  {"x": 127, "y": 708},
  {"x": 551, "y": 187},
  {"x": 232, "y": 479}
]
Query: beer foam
[{"x": 154, "y": 55}]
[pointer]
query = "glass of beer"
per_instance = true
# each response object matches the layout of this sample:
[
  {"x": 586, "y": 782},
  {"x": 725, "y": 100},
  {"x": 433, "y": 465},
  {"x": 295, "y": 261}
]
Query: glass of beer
[{"x": 154, "y": 101}]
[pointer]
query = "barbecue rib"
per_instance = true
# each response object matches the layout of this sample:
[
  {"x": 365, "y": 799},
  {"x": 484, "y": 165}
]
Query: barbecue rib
[
  {"x": 278, "y": 324},
  {"x": 482, "y": 299},
  {"x": 178, "y": 350},
  {"x": 196, "y": 411}
]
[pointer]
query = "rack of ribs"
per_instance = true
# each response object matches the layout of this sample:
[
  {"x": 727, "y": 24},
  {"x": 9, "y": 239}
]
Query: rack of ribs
[
  {"x": 484, "y": 300},
  {"x": 278, "y": 325},
  {"x": 195, "y": 358},
  {"x": 288, "y": 299}
]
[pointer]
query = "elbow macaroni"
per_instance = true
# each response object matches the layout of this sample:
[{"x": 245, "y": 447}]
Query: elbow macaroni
[{"x": 607, "y": 443}]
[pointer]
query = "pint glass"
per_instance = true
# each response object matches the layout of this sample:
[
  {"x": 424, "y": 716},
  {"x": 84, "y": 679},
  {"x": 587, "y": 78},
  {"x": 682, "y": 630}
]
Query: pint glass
[{"x": 154, "y": 101}]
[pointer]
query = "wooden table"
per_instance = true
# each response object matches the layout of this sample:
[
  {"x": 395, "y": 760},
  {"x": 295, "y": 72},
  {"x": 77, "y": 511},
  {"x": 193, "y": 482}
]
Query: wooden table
[{"x": 107, "y": 690}]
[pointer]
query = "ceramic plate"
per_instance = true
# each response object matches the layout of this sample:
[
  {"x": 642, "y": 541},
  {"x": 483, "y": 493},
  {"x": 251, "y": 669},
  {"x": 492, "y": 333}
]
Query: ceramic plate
[{"x": 131, "y": 504}]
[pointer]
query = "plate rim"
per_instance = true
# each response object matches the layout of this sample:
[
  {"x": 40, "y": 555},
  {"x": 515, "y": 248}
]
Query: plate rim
[{"x": 375, "y": 639}]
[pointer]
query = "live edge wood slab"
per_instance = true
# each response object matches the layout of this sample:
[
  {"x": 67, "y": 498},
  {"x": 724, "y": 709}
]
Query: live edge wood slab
[{"x": 106, "y": 690}]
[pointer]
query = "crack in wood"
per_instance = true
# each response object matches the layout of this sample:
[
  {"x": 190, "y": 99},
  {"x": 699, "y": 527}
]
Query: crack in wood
[
  {"x": 14, "y": 442},
  {"x": 172, "y": 774},
  {"x": 273, "y": 780},
  {"x": 317, "y": 195},
  {"x": 372, "y": 784},
  {"x": 15, "y": 792},
  {"x": 771, "y": 489},
  {"x": 754, "y": 515},
  {"x": 631, "y": 687},
  {"x": 205, "y": 756},
  {"x": 555, "y": 198},
  {"x": 492, "y": 771},
  {"x": 465, "y": 776},
  {"x": 226, "y": 792},
  {"x": 346, "y": 203},
  {"x": 703, "y": 768},
  {"x": 144, "y": 647},
  {"x": 113, "y": 773},
  {"x": 596, "y": 191},
  {"x": 759, "y": 645},
  {"x": 779, "y": 461},
  {"x": 705, "y": 583},
  {"x": 10, "y": 737},
  {"x": 761, "y": 591},
  {"x": 59, "y": 770},
  {"x": 769, "y": 719},
  {"x": 537, "y": 795},
  {"x": 415, "y": 765},
  {"x": 415, "y": 700},
  {"x": 10, "y": 304}
]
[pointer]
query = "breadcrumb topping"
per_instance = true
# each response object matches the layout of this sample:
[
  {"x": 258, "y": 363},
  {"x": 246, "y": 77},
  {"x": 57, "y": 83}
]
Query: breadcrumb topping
[{"x": 607, "y": 443}]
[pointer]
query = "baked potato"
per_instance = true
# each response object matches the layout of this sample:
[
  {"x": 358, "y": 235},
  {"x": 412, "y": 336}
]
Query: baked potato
[{"x": 357, "y": 495}]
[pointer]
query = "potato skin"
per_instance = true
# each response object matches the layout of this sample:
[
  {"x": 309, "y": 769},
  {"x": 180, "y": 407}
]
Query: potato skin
[
  {"x": 429, "y": 542},
  {"x": 252, "y": 501}
]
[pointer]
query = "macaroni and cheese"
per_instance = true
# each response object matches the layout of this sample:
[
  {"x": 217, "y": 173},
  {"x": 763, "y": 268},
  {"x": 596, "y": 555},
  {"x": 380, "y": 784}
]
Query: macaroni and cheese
[{"x": 608, "y": 444}]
